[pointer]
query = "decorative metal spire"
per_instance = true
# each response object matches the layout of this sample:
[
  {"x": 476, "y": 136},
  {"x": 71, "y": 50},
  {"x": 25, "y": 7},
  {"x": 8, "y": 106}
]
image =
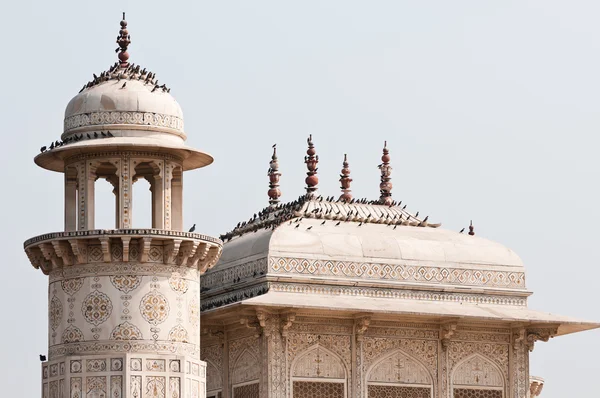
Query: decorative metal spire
[
  {"x": 471, "y": 229},
  {"x": 274, "y": 174},
  {"x": 123, "y": 40},
  {"x": 311, "y": 163},
  {"x": 345, "y": 180},
  {"x": 385, "y": 187}
]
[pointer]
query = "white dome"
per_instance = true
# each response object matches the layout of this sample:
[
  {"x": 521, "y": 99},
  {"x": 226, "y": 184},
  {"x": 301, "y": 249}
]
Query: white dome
[{"x": 108, "y": 105}]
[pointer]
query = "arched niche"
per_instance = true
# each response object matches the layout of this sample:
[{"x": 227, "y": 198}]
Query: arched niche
[
  {"x": 214, "y": 381},
  {"x": 105, "y": 170},
  {"x": 246, "y": 368},
  {"x": 477, "y": 376},
  {"x": 151, "y": 171},
  {"x": 398, "y": 374},
  {"x": 318, "y": 372}
]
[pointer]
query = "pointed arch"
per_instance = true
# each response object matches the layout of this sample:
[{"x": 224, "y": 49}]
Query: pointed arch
[
  {"x": 214, "y": 378},
  {"x": 399, "y": 367},
  {"x": 318, "y": 371},
  {"x": 246, "y": 368},
  {"x": 317, "y": 361},
  {"x": 477, "y": 371}
]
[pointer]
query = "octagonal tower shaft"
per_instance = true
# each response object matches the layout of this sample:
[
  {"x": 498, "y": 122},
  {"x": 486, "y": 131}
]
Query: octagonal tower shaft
[{"x": 124, "y": 304}]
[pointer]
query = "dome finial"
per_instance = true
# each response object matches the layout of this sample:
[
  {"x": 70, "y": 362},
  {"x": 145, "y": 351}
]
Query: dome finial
[
  {"x": 123, "y": 40},
  {"x": 345, "y": 180},
  {"x": 385, "y": 187},
  {"x": 311, "y": 163},
  {"x": 274, "y": 174},
  {"x": 471, "y": 229}
]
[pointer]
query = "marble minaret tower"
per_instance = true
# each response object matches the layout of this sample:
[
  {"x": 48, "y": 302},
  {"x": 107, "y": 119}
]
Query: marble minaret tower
[{"x": 123, "y": 304}]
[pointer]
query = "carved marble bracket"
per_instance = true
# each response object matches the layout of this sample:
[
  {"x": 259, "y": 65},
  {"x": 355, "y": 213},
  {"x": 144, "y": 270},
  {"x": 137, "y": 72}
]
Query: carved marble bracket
[
  {"x": 79, "y": 247},
  {"x": 541, "y": 334},
  {"x": 251, "y": 323},
  {"x": 287, "y": 320},
  {"x": 125, "y": 241},
  {"x": 361, "y": 325},
  {"x": 145, "y": 248},
  {"x": 105, "y": 245},
  {"x": 61, "y": 248},
  {"x": 171, "y": 250},
  {"x": 447, "y": 330}
]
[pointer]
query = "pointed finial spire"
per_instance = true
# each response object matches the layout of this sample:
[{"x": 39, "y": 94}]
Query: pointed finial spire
[
  {"x": 345, "y": 180},
  {"x": 274, "y": 174},
  {"x": 123, "y": 40},
  {"x": 385, "y": 187},
  {"x": 471, "y": 229},
  {"x": 311, "y": 163}
]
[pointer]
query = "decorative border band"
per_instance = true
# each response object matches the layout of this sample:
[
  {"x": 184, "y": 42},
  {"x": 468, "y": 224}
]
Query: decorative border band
[
  {"x": 115, "y": 117},
  {"x": 397, "y": 272}
]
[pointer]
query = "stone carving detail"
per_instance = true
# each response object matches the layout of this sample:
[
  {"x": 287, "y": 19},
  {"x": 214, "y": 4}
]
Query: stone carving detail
[
  {"x": 136, "y": 386},
  {"x": 178, "y": 333},
  {"x": 96, "y": 365},
  {"x": 247, "y": 391},
  {"x": 100, "y": 347},
  {"x": 126, "y": 283},
  {"x": 179, "y": 285},
  {"x": 71, "y": 286},
  {"x": 339, "y": 345},
  {"x": 214, "y": 278},
  {"x": 496, "y": 353},
  {"x": 154, "y": 308},
  {"x": 383, "y": 391},
  {"x": 398, "y": 367},
  {"x": 409, "y": 273},
  {"x": 246, "y": 368},
  {"x": 96, "y": 308},
  {"x": 477, "y": 371},
  {"x": 194, "y": 312},
  {"x": 72, "y": 334},
  {"x": 126, "y": 331},
  {"x": 96, "y": 386},
  {"x": 116, "y": 386},
  {"x": 55, "y": 313},
  {"x": 155, "y": 387},
  {"x": 310, "y": 389},
  {"x": 174, "y": 387},
  {"x": 76, "y": 389},
  {"x": 424, "y": 350},
  {"x": 116, "y": 117},
  {"x": 155, "y": 365},
  {"x": 318, "y": 362},
  {"x": 213, "y": 377}
]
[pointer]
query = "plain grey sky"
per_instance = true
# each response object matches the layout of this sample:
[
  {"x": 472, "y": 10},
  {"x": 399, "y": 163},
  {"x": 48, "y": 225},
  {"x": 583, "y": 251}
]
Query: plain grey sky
[{"x": 490, "y": 110}]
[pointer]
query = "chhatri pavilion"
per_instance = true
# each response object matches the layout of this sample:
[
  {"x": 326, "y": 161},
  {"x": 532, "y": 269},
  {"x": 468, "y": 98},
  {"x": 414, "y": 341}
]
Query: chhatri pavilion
[{"x": 321, "y": 297}]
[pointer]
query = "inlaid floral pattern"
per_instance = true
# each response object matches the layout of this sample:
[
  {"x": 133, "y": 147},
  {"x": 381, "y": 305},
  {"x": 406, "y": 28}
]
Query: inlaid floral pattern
[
  {"x": 154, "y": 308},
  {"x": 178, "y": 333},
  {"x": 96, "y": 308},
  {"x": 126, "y": 283},
  {"x": 72, "y": 335},
  {"x": 178, "y": 284},
  {"x": 126, "y": 331},
  {"x": 55, "y": 312},
  {"x": 71, "y": 286}
]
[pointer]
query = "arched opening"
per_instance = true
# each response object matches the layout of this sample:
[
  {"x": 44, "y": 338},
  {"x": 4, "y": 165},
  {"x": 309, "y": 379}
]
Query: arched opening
[
  {"x": 147, "y": 197},
  {"x": 71, "y": 202},
  {"x": 397, "y": 374},
  {"x": 245, "y": 376},
  {"x": 177, "y": 199},
  {"x": 106, "y": 197},
  {"x": 477, "y": 377},
  {"x": 318, "y": 372}
]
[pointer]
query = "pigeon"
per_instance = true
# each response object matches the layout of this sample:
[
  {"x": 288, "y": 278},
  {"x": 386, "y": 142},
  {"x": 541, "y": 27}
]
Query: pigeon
[
  {"x": 338, "y": 223},
  {"x": 95, "y": 135},
  {"x": 323, "y": 223},
  {"x": 193, "y": 228},
  {"x": 124, "y": 84},
  {"x": 102, "y": 134},
  {"x": 43, "y": 149},
  {"x": 42, "y": 358},
  {"x": 461, "y": 231},
  {"x": 108, "y": 133},
  {"x": 309, "y": 228}
]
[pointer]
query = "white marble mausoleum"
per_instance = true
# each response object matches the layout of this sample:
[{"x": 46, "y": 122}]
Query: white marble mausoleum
[{"x": 320, "y": 297}]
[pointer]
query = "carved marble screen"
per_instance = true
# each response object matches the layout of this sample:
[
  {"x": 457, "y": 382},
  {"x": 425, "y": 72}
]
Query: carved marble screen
[
  {"x": 246, "y": 391},
  {"x": 318, "y": 373},
  {"x": 397, "y": 374},
  {"x": 477, "y": 377}
]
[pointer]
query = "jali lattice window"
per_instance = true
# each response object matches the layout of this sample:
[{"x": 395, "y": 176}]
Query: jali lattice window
[
  {"x": 310, "y": 389},
  {"x": 474, "y": 393},
  {"x": 381, "y": 391},
  {"x": 246, "y": 391}
]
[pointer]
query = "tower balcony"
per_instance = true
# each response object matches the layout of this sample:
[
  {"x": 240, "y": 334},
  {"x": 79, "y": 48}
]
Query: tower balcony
[{"x": 58, "y": 250}]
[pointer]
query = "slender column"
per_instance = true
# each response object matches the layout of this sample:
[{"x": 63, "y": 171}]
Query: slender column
[
  {"x": 225, "y": 369},
  {"x": 87, "y": 180},
  {"x": 167, "y": 197},
  {"x": 158, "y": 190},
  {"x": 125, "y": 192},
  {"x": 70, "y": 200},
  {"x": 177, "y": 200}
]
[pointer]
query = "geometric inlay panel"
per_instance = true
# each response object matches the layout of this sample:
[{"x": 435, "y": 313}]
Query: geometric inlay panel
[
  {"x": 472, "y": 393},
  {"x": 311, "y": 389},
  {"x": 380, "y": 391},
  {"x": 247, "y": 391}
]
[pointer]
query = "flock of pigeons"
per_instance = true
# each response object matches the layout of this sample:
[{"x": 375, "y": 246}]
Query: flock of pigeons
[
  {"x": 131, "y": 72},
  {"x": 273, "y": 216},
  {"x": 76, "y": 138}
]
